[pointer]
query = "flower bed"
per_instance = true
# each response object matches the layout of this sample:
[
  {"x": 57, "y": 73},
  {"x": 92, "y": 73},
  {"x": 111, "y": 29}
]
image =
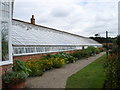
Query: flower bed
[
  {"x": 38, "y": 66},
  {"x": 35, "y": 67}
]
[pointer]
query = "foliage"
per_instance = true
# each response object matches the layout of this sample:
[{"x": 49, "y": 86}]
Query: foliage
[
  {"x": 116, "y": 45},
  {"x": 112, "y": 66},
  {"x": 101, "y": 49},
  {"x": 46, "y": 64},
  {"x": 89, "y": 51},
  {"x": 57, "y": 62},
  {"x": 67, "y": 57},
  {"x": 85, "y": 53},
  {"x": 14, "y": 77},
  {"x": 81, "y": 54},
  {"x": 18, "y": 74},
  {"x": 54, "y": 61},
  {"x": 102, "y": 39},
  {"x": 97, "y": 50},
  {"x": 61, "y": 55},
  {"x": 105, "y": 47},
  {"x": 36, "y": 67},
  {"x": 109, "y": 46},
  {"x": 118, "y": 40},
  {"x": 92, "y": 76},
  {"x": 112, "y": 69},
  {"x": 20, "y": 66},
  {"x": 4, "y": 45},
  {"x": 71, "y": 59},
  {"x": 77, "y": 54},
  {"x": 46, "y": 56},
  {"x": 4, "y": 50}
]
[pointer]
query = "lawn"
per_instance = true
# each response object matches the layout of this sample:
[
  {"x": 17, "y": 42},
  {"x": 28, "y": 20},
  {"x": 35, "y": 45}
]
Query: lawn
[{"x": 92, "y": 76}]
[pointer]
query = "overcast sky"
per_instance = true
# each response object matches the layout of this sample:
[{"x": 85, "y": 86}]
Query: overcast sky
[{"x": 82, "y": 17}]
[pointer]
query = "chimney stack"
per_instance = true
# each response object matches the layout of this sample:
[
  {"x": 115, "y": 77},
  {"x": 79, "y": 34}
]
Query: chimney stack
[{"x": 32, "y": 20}]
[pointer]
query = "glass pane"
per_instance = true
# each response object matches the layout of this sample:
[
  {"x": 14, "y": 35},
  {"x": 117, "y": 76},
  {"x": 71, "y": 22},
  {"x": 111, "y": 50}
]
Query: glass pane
[
  {"x": 5, "y": 9},
  {"x": 5, "y": 54}
]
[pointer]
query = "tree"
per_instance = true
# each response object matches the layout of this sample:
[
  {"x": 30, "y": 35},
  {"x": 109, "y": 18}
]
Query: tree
[{"x": 97, "y": 35}]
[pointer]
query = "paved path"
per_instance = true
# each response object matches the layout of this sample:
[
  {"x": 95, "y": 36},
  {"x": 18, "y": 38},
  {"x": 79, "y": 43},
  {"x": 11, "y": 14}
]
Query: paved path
[{"x": 57, "y": 78}]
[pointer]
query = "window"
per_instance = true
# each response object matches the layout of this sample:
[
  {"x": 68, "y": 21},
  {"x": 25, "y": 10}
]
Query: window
[
  {"x": 6, "y": 9},
  {"x": 5, "y": 43},
  {"x": 5, "y": 32},
  {"x": 41, "y": 49},
  {"x": 26, "y": 50}
]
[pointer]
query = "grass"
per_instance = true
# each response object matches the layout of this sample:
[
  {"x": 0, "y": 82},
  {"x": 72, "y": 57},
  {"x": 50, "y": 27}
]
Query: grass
[{"x": 92, "y": 76}]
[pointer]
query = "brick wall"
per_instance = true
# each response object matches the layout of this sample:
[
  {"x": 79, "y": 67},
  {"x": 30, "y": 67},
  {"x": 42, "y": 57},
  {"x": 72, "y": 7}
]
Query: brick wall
[
  {"x": 2, "y": 71},
  {"x": 0, "y": 77},
  {"x": 37, "y": 56}
]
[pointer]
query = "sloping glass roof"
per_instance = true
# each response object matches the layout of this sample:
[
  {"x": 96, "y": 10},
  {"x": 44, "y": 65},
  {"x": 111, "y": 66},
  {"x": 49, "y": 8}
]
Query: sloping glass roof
[{"x": 24, "y": 33}]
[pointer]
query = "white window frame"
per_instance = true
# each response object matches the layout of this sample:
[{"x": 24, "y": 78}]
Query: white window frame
[{"x": 10, "y": 61}]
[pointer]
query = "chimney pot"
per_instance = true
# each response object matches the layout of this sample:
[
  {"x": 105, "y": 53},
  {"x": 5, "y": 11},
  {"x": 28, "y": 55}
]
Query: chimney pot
[
  {"x": 32, "y": 20},
  {"x": 32, "y": 16}
]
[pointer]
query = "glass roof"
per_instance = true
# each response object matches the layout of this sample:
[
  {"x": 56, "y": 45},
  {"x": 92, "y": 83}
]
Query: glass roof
[{"x": 24, "y": 33}]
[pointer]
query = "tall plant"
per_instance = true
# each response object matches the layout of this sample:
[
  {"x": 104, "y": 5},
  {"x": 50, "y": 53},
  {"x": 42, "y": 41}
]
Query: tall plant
[{"x": 20, "y": 66}]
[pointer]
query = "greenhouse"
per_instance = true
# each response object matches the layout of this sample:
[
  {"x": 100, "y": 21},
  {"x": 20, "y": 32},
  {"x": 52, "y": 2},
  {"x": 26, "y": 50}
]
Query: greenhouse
[{"x": 29, "y": 38}]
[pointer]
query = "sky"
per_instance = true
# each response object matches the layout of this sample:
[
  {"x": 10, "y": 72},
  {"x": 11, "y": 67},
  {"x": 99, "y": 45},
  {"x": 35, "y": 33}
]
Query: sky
[{"x": 81, "y": 17}]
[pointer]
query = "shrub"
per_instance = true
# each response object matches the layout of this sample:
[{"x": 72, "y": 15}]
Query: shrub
[
  {"x": 118, "y": 40},
  {"x": 77, "y": 54},
  {"x": 14, "y": 77},
  {"x": 116, "y": 45},
  {"x": 85, "y": 53},
  {"x": 35, "y": 67},
  {"x": 57, "y": 62},
  {"x": 67, "y": 57},
  {"x": 71, "y": 59},
  {"x": 18, "y": 74},
  {"x": 46, "y": 64},
  {"x": 112, "y": 67},
  {"x": 46, "y": 56},
  {"x": 20, "y": 66},
  {"x": 105, "y": 47},
  {"x": 101, "y": 49},
  {"x": 97, "y": 51},
  {"x": 91, "y": 50},
  {"x": 112, "y": 70},
  {"x": 60, "y": 55}
]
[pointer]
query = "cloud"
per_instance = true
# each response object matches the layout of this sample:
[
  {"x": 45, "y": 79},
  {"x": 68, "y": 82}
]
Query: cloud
[
  {"x": 61, "y": 11},
  {"x": 83, "y": 17}
]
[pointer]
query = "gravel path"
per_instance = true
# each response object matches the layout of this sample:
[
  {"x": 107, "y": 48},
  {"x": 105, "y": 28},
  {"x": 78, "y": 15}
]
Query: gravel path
[{"x": 57, "y": 78}]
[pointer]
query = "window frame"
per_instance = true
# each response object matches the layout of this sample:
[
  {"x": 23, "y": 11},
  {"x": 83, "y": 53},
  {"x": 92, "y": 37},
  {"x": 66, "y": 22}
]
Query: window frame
[
  {"x": 43, "y": 49},
  {"x": 9, "y": 20},
  {"x": 39, "y": 49}
]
